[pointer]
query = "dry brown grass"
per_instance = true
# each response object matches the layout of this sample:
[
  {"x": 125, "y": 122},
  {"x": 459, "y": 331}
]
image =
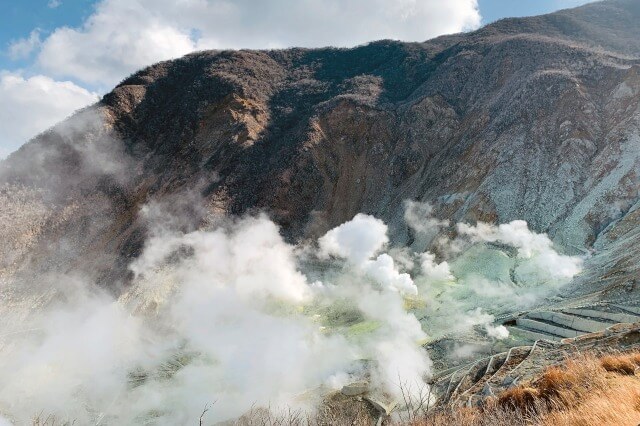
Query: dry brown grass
[
  {"x": 617, "y": 405},
  {"x": 622, "y": 364},
  {"x": 519, "y": 398},
  {"x": 558, "y": 386},
  {"x": 584, "y": 391},
  {"x": 475, "y": 417}
]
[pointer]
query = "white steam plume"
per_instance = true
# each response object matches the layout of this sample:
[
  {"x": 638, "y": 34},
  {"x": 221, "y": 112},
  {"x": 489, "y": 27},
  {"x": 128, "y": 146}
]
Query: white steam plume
[
  {"x": 357, "y": 240},
  {"x": 486, "y": 269},
  {"x": 227, "y": 314}
]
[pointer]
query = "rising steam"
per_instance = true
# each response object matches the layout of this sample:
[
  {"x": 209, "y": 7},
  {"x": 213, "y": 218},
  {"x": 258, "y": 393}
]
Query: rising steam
[{"x": 234, "y": 314}]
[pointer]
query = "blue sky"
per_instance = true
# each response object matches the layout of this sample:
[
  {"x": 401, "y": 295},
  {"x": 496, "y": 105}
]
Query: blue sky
[
  {"x": 20, "y": 17},
  {"x": 492, "y": 10},
  {"x": 57, "y": 56}
]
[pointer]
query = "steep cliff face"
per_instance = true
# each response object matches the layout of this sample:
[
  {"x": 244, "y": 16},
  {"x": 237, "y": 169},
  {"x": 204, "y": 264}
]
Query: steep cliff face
[{"x": 535, "y": 118}]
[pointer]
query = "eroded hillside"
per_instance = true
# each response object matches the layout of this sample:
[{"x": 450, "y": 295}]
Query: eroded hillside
[{"x": 533, "y": 119}]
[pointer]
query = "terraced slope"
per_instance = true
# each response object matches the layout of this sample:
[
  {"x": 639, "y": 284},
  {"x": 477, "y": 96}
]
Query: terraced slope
[
  {"x": 559, "y": 324},
  {"x": 612, "y": 328}
]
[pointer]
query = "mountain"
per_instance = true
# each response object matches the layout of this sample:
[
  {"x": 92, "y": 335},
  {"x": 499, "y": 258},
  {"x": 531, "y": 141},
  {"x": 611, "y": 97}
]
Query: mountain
[{"x": 531, "y": 118}]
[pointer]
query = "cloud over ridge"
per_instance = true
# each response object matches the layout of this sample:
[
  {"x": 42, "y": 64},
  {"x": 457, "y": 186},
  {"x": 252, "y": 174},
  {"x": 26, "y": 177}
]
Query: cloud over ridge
[{"x": 123, "y": 36}]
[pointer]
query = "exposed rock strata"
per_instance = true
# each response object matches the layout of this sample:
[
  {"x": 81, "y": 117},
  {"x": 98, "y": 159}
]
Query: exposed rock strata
[{"x": 534, "y": 118}]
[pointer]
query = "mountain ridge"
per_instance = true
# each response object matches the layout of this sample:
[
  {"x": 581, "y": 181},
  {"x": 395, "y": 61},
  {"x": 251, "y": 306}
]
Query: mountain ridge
[{"x": 522, "y": 119}]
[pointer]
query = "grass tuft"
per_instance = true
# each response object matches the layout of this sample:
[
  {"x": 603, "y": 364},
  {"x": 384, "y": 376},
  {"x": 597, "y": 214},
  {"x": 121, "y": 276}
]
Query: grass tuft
[
  {"x": 620, "y": 364},
  {"x": 585, "y": 390}
]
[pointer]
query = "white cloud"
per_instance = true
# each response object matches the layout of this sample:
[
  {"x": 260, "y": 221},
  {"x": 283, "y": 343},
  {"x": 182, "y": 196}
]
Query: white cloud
[
  {"x": 119, "y": 38},
  {"x": 52, "y": 4},
  {"x": 22, "y": 48},
  {"x": 330, "y": 22},
  {"x": 31, "y": 105},
  {"x": 122, "y": 36}
]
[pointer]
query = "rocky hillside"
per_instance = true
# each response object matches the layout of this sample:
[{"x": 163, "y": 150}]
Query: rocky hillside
[{"x": 534, "y": 118}]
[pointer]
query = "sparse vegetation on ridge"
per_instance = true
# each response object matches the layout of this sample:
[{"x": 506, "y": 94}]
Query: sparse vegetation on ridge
[{"x": 585, "y": 390}]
